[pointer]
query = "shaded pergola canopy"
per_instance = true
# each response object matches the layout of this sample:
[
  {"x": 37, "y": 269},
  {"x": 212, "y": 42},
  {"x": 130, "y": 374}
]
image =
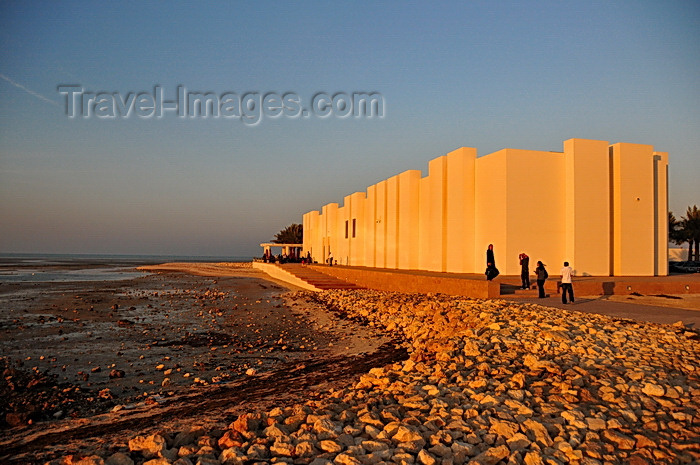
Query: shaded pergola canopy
[{"x": 286, "y": 248}]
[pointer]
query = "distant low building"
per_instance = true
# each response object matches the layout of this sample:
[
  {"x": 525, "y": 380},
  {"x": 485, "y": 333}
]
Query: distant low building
[{"x": 601, "y": 207}]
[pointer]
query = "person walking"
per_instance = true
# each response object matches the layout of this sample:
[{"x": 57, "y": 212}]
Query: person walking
[
  {"x": 525, "y": 270},
  {"x": 542, "y": 276},
  {"x": 566, "y": 284},
  {"x": 330, "y": 259}
]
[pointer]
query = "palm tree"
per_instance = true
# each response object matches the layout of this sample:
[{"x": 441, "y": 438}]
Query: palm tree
[
  {"x": 676, "y": 233},
  {"x": 691, "y": 231},
  {"x": 292, "y": 234}
]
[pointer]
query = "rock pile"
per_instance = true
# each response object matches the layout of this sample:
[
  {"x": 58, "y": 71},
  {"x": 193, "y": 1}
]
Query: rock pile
[
  {"x": 487, "y": 382},
  {"x": 29, "y": 395}
]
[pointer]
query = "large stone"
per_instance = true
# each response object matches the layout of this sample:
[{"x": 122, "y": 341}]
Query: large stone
[
  {"x": 412, "y": 446},
  {"x": 304, "y": 449},
  {"x": 119, "y": 458},
  {"x": 595, "y": 424},
  {"x": 503, "y": 428},
  {"x": 370, "y": 420},
  {"x": 328, "y": 445},
  {"x": 371, "y": 431},
  {"x": 294, "y": 422},
  {"x": 518, "y": 380},
  {"x": 533, "y": 458},
  {"x": 275, "y": 431},
  {"x": 517, "y": 406},
  {"x": 346, "y": 440},
  {"x": 230, "y": 439},
  {"x": 405, "y": 434},
  {"x": 613, "y": 423},
  {"x": 535, "y": 364},
  {"x": 374, "y": 446},
  {"x": 403, "y": 458},
  {"x": 674, "y": 392},
  {"x": 643, "y": 441},
  {"x": 258, "y": 451},
  {"x": 489, "y": 401},
  {"x": 188, "y": 449},
  {"x": 150, "y": 446},
  {"x": 326, "y": 429},
  {"x": 282, "y": 448},
  {"x": 621, "y": 441},
  {"x": 571, "y": 454},
  {"x": 462, "y": 451},
  {"x": 320, "y": 461},
  {"x": 187, "y": 436},
  {"x": 574, "y": 418},
  {"x": 653, "y": 390},
  {"x": 158, "y": 461},
  {"x": 425, "y": 458},
  {"x": 206, "y": 451},
  {"x": 518, "y": 442},
  {"x": 246, "y": 425},
  {"x": 345, "y": 459},
  {"x": 91, "y": 460},
  {"x": 212, "y": 461},
  {"x": 636, "y": 459},
  {"x": 592, "y": 449},
  {"x": 537, "y": 432},
  {"x": 491, "y": 456},
  {"x": 183, "y": 461},
  {"x": 441, "y": 450}
]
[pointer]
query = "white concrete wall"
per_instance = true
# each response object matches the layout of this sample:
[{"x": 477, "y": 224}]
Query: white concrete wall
[{"x": 601, "y": 207}]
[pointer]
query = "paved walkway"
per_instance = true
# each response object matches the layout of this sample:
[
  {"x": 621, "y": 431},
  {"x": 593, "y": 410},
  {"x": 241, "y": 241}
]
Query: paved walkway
[
  {"x": 603, "y": 306},
  {"x": 509, "y": 285},
  {"x": 620, "y": 285}
]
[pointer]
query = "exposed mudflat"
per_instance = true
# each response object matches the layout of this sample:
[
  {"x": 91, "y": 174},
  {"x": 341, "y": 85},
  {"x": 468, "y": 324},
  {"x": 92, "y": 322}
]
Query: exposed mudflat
[{"x": 88, "y": 360}]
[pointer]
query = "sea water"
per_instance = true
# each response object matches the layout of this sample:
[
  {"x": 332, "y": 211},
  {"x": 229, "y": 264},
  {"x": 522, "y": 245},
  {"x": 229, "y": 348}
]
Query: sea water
[{"x": 16, "y": 268}]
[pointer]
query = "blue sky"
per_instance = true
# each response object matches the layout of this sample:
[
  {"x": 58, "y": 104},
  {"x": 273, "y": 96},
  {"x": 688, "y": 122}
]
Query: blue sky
[{"x": 480, "y": 74}]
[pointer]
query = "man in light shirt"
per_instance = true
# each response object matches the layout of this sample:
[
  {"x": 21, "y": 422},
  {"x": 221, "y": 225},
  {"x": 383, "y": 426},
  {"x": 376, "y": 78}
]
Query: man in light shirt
[{"x": 566, "y": 285}]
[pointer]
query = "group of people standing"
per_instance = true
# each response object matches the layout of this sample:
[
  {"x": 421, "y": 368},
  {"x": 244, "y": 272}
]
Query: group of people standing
[
  {"x": 540, "y": 272},
  {"x": 293, "y": 257}
]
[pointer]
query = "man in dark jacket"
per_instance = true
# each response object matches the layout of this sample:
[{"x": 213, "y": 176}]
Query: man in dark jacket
[{"x": 525, "y": 270}]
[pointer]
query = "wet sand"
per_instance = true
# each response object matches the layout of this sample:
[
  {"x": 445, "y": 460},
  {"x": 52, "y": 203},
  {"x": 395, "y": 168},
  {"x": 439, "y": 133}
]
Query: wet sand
[{"x": 102, "y": 359}]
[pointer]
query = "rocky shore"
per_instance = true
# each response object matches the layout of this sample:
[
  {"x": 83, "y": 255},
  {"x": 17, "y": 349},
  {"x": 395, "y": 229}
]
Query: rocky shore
[
  {"x": 487, "y": 382},
  {"x": 88, "y": 363}
]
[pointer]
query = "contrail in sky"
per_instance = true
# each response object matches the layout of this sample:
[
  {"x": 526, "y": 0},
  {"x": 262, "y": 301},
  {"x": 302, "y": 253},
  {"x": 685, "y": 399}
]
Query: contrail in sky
[{"x": 29, "y": 91}]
